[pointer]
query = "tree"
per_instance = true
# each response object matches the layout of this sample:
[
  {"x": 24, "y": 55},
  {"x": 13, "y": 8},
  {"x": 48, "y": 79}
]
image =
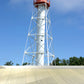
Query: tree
[
  {"x": 25, "y": 64},
  {"x": 10, "y": 63},
  {"x": 81, "y": 60},
  {"x": 67, "y": 61},
  {"x": 56, "y": 61},
  {"x": 74, "y": 61},
  {"x": 17, "y": 64},
  {"x": 71, "y": 61},
  {"x": 64, "y": 62}
]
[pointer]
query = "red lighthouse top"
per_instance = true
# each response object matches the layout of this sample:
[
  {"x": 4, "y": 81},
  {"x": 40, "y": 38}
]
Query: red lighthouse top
[{"x": 36, "y": 2}]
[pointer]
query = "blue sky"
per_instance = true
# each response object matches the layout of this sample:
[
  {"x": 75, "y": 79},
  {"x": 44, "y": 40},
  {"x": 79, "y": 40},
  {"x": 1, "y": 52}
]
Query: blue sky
[{"x": 67, "y": 18}]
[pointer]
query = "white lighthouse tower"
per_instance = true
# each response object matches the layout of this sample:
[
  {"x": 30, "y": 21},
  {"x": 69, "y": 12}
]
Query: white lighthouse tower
[{"x": 38, "y": 44}]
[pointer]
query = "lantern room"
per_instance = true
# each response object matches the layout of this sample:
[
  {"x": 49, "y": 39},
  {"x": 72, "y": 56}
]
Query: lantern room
[{"x": 36, "y": 2}]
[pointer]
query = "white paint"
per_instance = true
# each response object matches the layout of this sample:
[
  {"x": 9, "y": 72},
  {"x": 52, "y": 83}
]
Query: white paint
[{"x": 40, "y": 35}]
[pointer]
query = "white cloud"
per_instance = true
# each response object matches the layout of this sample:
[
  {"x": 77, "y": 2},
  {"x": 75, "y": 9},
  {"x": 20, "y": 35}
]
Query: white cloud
[{"x": 67, "y": 5}]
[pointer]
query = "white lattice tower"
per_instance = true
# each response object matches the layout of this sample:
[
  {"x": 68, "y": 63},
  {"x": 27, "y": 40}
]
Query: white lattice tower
[{"x": 38, "y": 44}]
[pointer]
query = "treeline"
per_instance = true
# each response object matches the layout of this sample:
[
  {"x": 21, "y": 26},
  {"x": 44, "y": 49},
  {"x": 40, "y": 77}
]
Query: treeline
[
  {"x": 57, "y": 62},
  {"x": 10, "y": 63},
  {"x": 71, "y": 61}
]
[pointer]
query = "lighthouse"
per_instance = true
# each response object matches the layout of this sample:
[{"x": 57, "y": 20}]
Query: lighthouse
[
  {"x": 42, "y": 6},
  {"x": 38, "y": 50}
]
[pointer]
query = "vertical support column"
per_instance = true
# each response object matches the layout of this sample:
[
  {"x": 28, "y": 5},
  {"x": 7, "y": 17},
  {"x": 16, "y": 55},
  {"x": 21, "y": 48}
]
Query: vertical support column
[
  {"x": 40, "y": 35},
  {"x": 47, "y": 38}
]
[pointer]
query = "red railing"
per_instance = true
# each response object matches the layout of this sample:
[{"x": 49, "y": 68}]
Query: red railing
[{"x": 41, "y": 1}]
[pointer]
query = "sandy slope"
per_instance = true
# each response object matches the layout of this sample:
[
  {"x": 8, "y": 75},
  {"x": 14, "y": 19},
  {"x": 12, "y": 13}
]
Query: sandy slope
[{"x": 41, "y": 75}]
